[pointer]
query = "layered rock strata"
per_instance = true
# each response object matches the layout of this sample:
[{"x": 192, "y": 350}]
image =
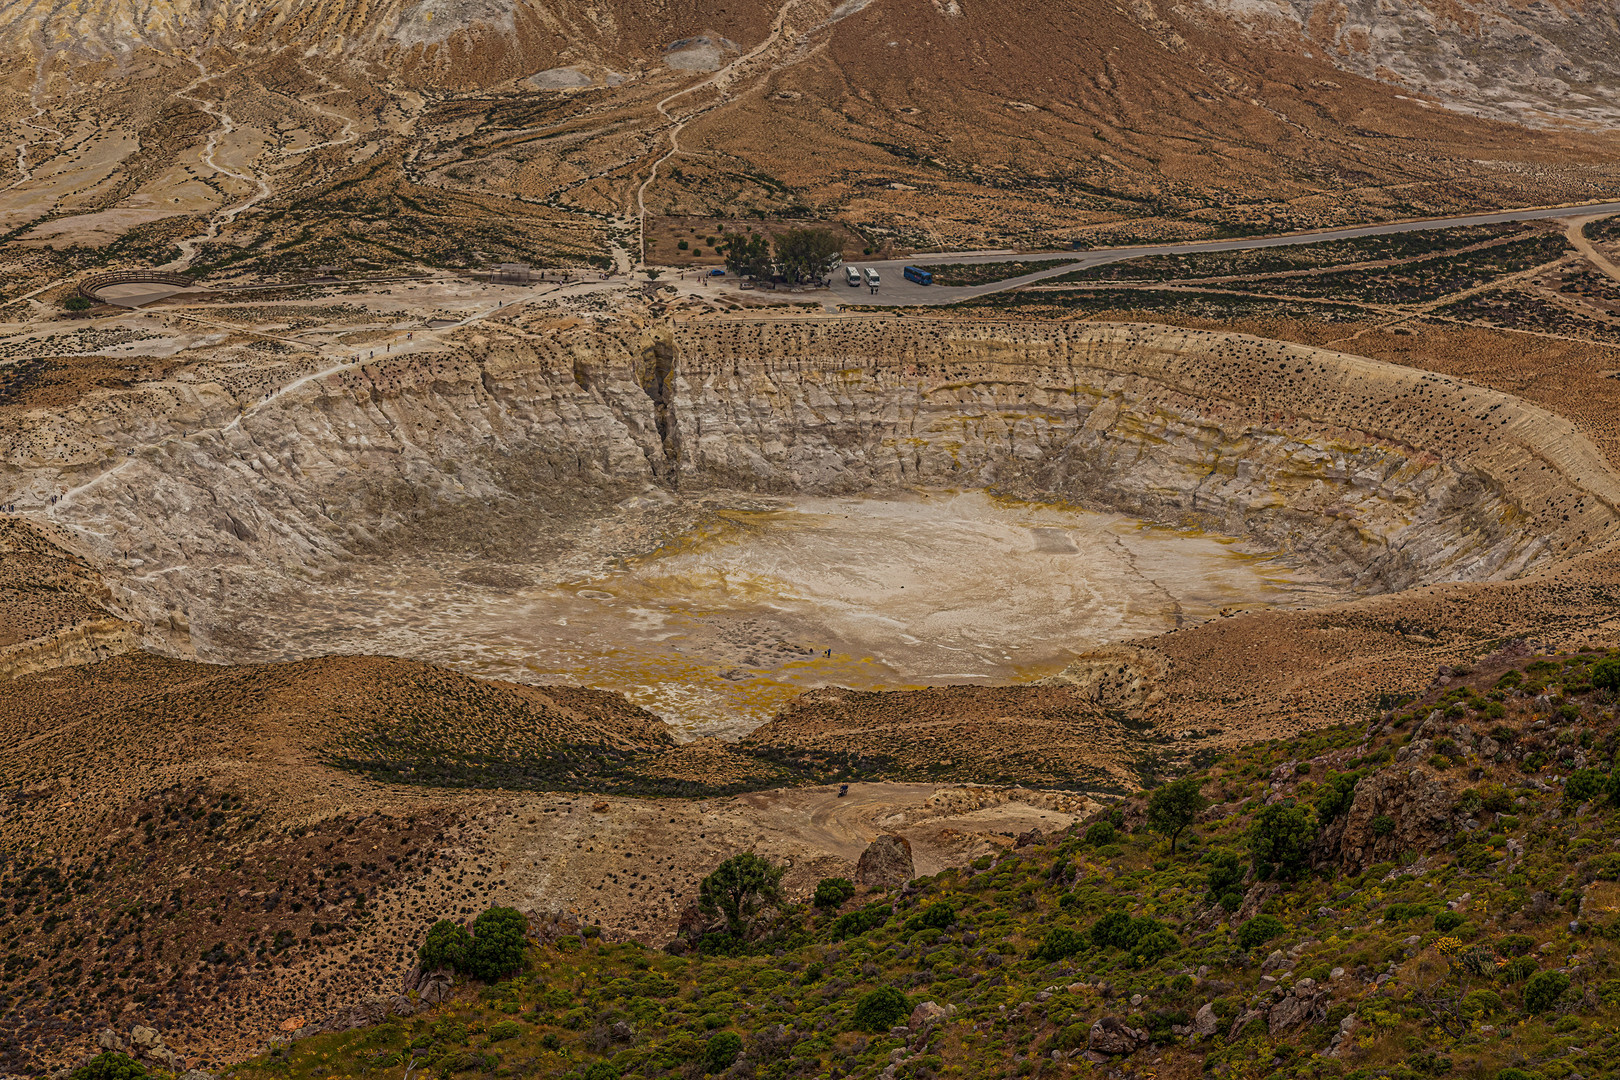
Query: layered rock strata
[{"x": 1379, "y": 476}]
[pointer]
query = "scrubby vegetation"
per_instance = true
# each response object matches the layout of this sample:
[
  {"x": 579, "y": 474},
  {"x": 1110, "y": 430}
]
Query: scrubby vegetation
[
  {"x": 1289, "y": 935},
  {"x": 1295, "y": 257},
  {"x": 986, "y": 273}
]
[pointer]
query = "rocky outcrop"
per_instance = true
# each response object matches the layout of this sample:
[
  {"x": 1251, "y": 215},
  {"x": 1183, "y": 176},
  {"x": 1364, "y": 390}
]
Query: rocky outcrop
[
  {"x": 928, "y": 1013},
  {"x": 1111, "y": 1035},
  {"x": 1398, "y": 808},
  {"x": 83, "y": 643},
  {"x": 886, "y": 863},
  {"x": 145, "y": 1045}
]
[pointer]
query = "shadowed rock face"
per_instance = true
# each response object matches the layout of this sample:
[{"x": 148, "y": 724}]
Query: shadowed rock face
[{"x": 1378, "y": 476}]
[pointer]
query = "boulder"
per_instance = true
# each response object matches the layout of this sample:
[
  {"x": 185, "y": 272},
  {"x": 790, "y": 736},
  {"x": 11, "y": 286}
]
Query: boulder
[
  {"x": 926, "y": 1013},
  {"x": 144, "y": 1038},
  {"x": 1111, "y": 1035},
  {"x": 108, "y": 1039},
  {"x": 1305, "y": 1003},
  {"x": 1205, "y": 1021},
  {"x": 435, "y": 986},
  {"x": 886, "y": 863}
]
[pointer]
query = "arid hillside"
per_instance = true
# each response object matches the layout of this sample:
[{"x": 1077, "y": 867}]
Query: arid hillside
[{"x": 242, "y": 140}]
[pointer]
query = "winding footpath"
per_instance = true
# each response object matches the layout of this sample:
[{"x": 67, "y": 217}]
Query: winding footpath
[{"x": 209, "y": 157}]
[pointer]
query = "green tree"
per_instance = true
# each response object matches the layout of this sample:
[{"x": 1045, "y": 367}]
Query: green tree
[
  {"x": 1280, "y": 840},
  {"x": 497, "y": 943},
  {"x": 78, "y": 303},
  {"x": 834, "y": 892},
  {"x": 110, "y": 1066},
  {"x": 739, "y": 889},
  {"x": 724, "y": 1048},
  {"x": 446, "y": 946},
  {"x": 747, "y": 255},
  {"x": 881, "y": 1009},
  {"x": 807, "y": 254},
  {"x": 1175, "y": 806}
]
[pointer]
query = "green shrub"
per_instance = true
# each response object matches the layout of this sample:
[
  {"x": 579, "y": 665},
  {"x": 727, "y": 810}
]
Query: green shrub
[
  {"x": 1543, "y": 990},
  {"x": 724, "y": 1048},
  {"x": 1480, "y": 1004},
  {"x": 1448, "y": 920},
  {"x": 1515, "y": 944},
  {"x": 497, "y": 943},
  {"x": 881, "y": 1009},
  {"x": 855, "y": 923},
  {"x": 834, "y": 892},
  {"x": 446, "y": 946},
  {"x": 1099, "y": 833},
  {"x": 506, "y": 1029},
  {"x": 1259, "y": 930},
  {"x": 1113, "y": 931},
  {"x": 1224, "y": 882},
  {"x": 1584, "y": 784},
  {"x": 1153, "y": 945},
  {"x": 938, "y": 916},
  {"x": 1280, "y": 841},
  {"x": 1335, "y": 795},
  {"x": 1512, "y": 1073},
  {"x": 1606, "y": 673},
  {"x": 1060, "y": 943},
  {"x": 78, "y": 303},
  {"x": 602, "y": 1070},
  {"x": 1518, "y": 969},
  {"x": 110, "y": 1066},
  {"x": 1383, "y": 825}
]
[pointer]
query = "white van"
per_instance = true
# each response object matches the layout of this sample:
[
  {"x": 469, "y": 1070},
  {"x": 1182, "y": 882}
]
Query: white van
[
  {"x": 872, "y": 277},
  {"x": 852, "y": 276}
]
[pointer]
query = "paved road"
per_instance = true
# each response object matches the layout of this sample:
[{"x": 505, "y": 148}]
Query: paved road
[{"x": 896, "y": 291}]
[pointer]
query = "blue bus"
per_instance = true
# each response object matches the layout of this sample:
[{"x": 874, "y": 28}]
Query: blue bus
[{"x": 919, "y": 275}]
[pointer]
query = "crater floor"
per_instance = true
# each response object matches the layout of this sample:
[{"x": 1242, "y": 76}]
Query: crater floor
[{"x": 762, "y": 599}]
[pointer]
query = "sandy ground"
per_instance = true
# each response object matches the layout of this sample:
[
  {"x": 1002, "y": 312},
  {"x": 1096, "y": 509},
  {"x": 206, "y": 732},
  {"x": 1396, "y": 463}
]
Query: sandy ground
[{"x": 718, "y": 628}]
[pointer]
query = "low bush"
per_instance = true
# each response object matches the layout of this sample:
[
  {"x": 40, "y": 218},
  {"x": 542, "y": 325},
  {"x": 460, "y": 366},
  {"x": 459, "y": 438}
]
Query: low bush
[
  {"x": 1543, "y": 990},
  {"x": 880, "y": 1010},
  {"x": 834, "y": 892},
  {"x": 1259, "y": 930},
  {"x": 725, "y": 1047}
]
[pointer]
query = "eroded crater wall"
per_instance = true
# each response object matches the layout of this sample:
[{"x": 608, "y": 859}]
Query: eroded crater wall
[{"x": 1382, "y": 476}]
